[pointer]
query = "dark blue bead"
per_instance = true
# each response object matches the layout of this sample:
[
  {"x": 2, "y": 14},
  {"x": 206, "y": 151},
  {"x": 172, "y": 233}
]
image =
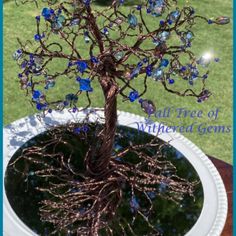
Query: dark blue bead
[
  {"x": 210, "y": 22},
  {"x": 149, "y": 11},
  {"x": 133, "y": 96},
  {"x": 171, "y": 81},
  {"x": 162, "y": 22},
  {"x": 40, "y": 106},
  {"x": 82, "y": 66},
  {"x": 139, "y": 7},
  {"x": 37, "y": 18},
  {"x": 149, "y": 73},
  {"x": 70, "y": 64},
  {"x": 169, "y": 22},
  {"x": 37, "y": 37},
  {"x": 65, "y": 103},
  {"x": 140, "y": 64},
  {"x": 37, "y": 94},
  {"x": 145, "y": 60},
  {"x": 74, "y": 109},
  {"x": 94, "y": 60},
  {"x": 77, "y": 130},
  {"x": 49, "y": 110}
]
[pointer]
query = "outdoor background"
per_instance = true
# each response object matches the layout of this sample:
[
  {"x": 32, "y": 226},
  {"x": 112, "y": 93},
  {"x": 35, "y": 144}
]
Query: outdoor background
[{"x": 19, "y": 21}]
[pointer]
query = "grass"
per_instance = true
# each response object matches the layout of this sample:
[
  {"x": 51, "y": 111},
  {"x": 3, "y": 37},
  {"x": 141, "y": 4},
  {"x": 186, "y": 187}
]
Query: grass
[{"x": 19, "y": 22}]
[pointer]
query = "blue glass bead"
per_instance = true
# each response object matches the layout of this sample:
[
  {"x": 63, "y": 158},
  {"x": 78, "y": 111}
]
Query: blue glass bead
[
  {"x": 117, "y": 147},
  {"x": 119, "y": 55},
  {"x": 162, "y": 23},
  {"x": 132, "y": 20},
  {"x": 122, "y": 2},
  {"x": 140, "y": 64},
  {"x": 169, "y": 22},
  {"x": 77, "y": 130},
  {"x": 36, "y": 94},
  {"x": 71, "y": 98},
  {"x": 163, "y": 36},
  {"x": 210, "y": 22},
  {"x": 217, "y": 59},
  {"x": 50, "y": 84},
  {"x": 156, "y": 10},
  {"x": 164, "y": 63},
  {"x": 37, "y": 18},
  {"x": 85, "y": 85},
  {"x": 157, "y": 74},
  {"x": 189, "y": 35},
  {"x": 171, "y": 81},
  {"x": 135, "y": 72},
  {"x": 41, "y": 106},
  {"x": 50, "y": 110},
  {"x": 82, "y": 66},
  {"x": 17, "y": 54},
  {"x": 65, "y": 103},
  {"x": 145, "y": 60},
  {"x": 105, "y": 31},
  {"x": 70, "y": 64},
  {"x": 149, "y": 70},
  {"x": 205, "y": 76},
  {"x": 86, "y": 2},
  {"x": 133, "y": 96},
  {"x": 134, "y": 204},
  {"x": 151, "y": 195},
  {"x": 94, "y": 59},
  {"x": 74, "y": 22},
  {"x": 162, "y": 187},
  {"x": 46, "y": 13},
  {"x": 149, "y": 10},
  {"x": 61, "y": 19},
  {"x": 178, "y": 155},
  {"x": 174, "y": 15},
  {"x": 37, "y": 37},
  {"x": 75, "y": 109},
  {"x": 192, "y": 11},
  {"x": 86, "y": 37},
  {"x": 139, "y": 7}
]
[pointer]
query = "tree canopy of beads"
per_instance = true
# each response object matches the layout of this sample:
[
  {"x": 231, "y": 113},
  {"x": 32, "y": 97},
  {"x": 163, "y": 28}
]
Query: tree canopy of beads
[{"x": 162, "y": 53}]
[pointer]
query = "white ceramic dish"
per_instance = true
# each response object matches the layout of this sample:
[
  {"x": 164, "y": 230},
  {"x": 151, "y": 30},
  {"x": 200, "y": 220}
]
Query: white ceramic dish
[{"x": 213, "y": 216}]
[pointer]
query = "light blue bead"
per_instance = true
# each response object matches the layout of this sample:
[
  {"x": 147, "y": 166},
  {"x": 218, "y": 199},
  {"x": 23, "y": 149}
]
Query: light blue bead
[{"x": 132, "y": 20}]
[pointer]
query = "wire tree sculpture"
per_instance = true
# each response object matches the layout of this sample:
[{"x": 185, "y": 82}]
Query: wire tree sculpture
[{"x": 122, "y": 48}]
